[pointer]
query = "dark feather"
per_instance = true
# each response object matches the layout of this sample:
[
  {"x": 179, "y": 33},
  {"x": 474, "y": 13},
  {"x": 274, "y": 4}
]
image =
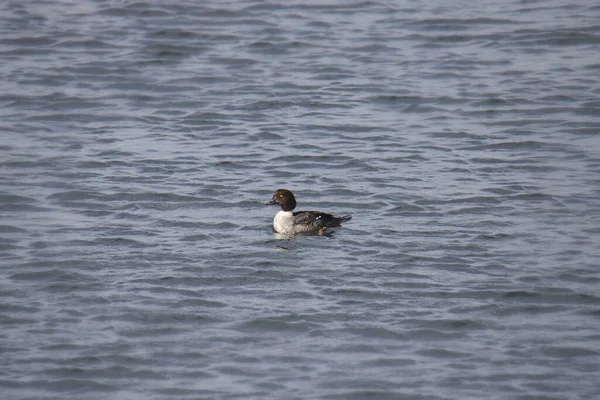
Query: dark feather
[{"x": 318, "y": 220}]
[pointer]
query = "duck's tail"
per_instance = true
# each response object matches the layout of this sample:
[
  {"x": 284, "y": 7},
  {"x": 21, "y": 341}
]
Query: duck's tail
[{"x": 345, "y": 218}]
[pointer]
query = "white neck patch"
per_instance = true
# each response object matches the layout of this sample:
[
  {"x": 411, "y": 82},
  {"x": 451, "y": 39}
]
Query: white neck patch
[{"x": 283, "y": 222}]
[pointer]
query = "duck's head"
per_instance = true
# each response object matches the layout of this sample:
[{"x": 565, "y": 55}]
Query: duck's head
[{"x": 284, "y": 198}]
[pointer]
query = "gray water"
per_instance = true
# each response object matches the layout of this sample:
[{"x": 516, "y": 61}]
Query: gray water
[{"x": 140, "y": 141}]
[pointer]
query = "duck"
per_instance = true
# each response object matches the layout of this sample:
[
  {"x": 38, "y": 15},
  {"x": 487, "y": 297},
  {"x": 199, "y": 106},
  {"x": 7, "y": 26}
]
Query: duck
[{"x": 288, "y": 222}]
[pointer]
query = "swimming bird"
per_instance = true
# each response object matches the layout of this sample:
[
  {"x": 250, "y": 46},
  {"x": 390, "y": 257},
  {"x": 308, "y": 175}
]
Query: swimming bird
[{"x": 290, "y": 223}]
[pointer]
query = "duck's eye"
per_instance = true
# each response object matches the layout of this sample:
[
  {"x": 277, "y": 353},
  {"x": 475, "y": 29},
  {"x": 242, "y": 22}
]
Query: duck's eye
[{"x": 280, "y": 195}]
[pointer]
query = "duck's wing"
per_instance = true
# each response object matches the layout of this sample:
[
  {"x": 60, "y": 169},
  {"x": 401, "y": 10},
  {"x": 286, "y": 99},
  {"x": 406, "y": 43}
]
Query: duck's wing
[{"x": 317, "y": 219}]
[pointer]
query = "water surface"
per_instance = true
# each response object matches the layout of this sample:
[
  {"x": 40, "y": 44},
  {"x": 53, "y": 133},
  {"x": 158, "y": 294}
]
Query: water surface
[{"x": 140, "y": 141}]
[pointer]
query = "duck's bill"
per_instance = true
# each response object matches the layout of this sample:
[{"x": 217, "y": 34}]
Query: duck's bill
[{"x": 270, "y": 202}]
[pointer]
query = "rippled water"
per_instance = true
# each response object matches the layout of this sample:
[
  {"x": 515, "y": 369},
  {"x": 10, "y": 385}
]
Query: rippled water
[{"x": 140, "y": 142}]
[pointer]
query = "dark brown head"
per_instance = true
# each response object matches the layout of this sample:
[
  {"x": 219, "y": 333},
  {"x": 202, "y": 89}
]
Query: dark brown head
[{"x": 284, "y": 198}]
